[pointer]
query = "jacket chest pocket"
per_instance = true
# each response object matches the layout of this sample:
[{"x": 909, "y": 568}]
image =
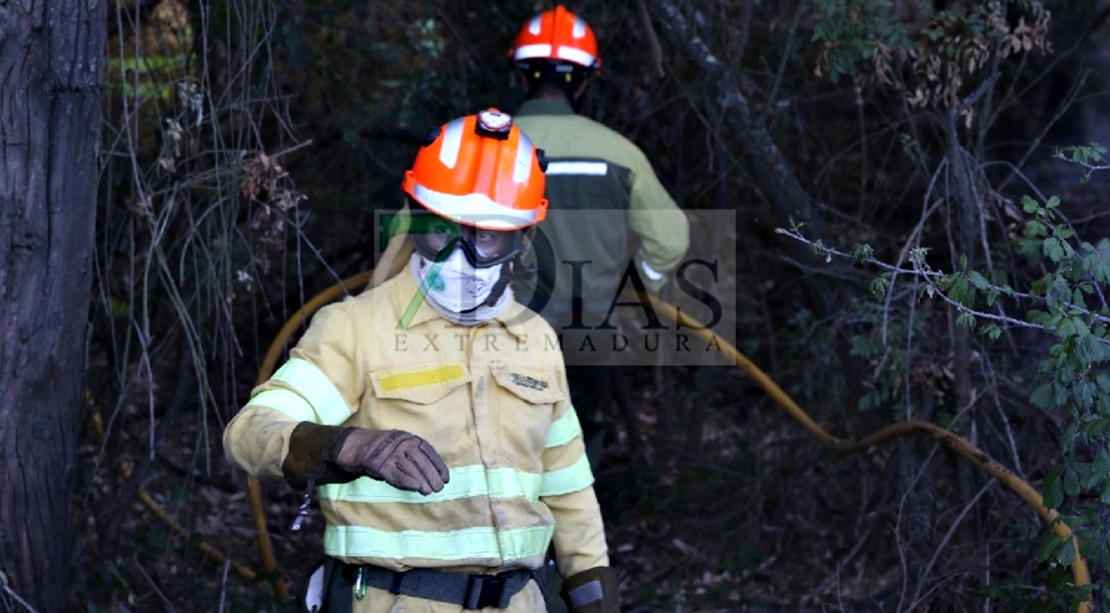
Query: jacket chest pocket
[
  {"x": 525, "y": 406},
  {"x": 430, "y": 401}
]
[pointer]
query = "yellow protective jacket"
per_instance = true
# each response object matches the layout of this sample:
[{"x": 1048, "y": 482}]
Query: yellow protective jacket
[{"x": 491, "y": 399}]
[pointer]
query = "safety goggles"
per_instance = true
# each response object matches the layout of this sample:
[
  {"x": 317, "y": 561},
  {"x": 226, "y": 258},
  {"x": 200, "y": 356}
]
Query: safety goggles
[{"x": 435, "y": 238}]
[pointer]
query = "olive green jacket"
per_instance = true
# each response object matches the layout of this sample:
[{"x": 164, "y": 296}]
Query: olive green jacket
[{"x": 606, "y": 209}]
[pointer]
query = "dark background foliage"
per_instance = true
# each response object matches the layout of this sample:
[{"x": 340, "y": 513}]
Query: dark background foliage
[{"x": 248, "y": 146}]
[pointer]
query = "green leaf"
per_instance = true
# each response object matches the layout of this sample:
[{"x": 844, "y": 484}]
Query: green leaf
[
  {"x": 1066, "y": 329},
  {"x": 862, "y": 346},
  {"x": 1081, "y": 327},
  {"x": 979, "y": 281},
  {"x": 966, "y": 320},
  {"x": 1092, "y": 479},
  {"x": 991, "y": 331},
  {"x": 879, "y": 285},
  {"x": 1103, "y": 382},
  {"x": 1034, "y": 229},
  {"x": 1053, "y": 490},
  {"x": 1029, "y": 205},
  {"x": 1052, "y": 249},
  {"x": 1042, "y": 397},
  {"x": 1048, "y": 550},
  {"x": 1071, "y": 483},
  {"x": 1067, "y": 554}
]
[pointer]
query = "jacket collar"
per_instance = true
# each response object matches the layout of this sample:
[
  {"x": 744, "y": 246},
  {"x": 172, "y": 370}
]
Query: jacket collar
[{"x": 545, "y": 106}]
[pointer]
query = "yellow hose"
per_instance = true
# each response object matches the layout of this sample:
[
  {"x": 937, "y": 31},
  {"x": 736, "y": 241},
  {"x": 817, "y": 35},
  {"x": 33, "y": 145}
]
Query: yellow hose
[{"x": 1080, "y": 573}]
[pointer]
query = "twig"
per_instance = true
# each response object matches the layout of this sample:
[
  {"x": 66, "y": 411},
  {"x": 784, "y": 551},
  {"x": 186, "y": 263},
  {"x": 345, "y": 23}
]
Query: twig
[
  {"x": 7, "y": 590},
  {"x": 923, "y": 271},
  {"x": 223, "y": 586},
  {"x": 918, "y": 596},
  {"x": 840, "y": 564},
  {"x": 653, "y": 39},
  {"x": 153, "y": 585}
]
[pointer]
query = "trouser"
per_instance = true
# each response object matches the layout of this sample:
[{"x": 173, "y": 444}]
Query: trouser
[{"x": 589, "y": 386}]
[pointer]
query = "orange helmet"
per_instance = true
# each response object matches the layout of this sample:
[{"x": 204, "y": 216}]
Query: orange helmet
[
  {"x": 480, "y": 171},
  {"x": 557, "y": 35}
]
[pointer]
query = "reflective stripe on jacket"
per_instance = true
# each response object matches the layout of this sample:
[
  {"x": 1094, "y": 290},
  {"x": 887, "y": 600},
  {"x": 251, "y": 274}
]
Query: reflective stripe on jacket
[{"x": 491, "y": 399}]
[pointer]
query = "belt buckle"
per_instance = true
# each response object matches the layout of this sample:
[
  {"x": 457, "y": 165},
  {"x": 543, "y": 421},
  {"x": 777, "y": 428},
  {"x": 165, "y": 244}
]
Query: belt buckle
[{"x": 489, "y": 588}]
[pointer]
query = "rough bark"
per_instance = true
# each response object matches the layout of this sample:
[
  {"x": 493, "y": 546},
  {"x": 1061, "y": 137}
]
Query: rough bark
[
  {"x": 788, "y": 198},
  {"x": 51, "y": 59}
]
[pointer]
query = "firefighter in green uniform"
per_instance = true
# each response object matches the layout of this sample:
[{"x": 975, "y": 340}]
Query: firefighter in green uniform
[
  {"x": 428, "y": 416},
  {"x": 602, "y": 192},
  {"x": 603, "y": 197}
]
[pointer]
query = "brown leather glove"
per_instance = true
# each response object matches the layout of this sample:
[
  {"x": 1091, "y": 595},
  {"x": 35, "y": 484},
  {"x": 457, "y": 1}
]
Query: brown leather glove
[
  {"x": 593, "y": 591},
  {"x": 402, "y": 460}
]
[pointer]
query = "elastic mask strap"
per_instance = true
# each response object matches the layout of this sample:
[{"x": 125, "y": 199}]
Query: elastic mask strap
[{"x": 514, "y": 270}]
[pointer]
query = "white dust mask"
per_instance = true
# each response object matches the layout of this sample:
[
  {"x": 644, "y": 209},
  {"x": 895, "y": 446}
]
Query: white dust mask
[{"x": 455, "y": 288}]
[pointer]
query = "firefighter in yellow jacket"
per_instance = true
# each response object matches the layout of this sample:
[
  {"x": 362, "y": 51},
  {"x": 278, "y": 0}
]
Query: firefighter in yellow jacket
[{"x": 431, "y": 414}]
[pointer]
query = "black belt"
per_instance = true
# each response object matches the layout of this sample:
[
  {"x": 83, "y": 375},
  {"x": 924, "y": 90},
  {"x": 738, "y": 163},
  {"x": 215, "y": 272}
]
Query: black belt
[{"x": 468, "y": 591}]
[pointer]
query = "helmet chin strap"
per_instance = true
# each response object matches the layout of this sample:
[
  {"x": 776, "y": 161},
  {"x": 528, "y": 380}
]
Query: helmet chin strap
[{"x": 513, "y": 270}]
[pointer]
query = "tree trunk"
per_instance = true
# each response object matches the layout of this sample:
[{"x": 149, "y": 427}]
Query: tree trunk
[
  {"x": 51, "y": 59},
  {"x": 789, "y": 199}
]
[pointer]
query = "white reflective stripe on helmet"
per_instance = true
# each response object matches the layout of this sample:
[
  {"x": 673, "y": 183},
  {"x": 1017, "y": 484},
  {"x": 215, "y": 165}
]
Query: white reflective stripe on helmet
[
  {"x": 522, "y": 166},
  {"x": 473, "y": 209},
  {"x": 452, "y": 141},
  {"x": 577, "y": 56},
  {"x": 527, "y": 52},
  {"x": 579, "y": 29}
]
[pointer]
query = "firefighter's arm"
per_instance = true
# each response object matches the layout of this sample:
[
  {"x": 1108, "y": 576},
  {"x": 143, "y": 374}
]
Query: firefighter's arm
[
  {"x": 579, "y": 540},
  {"x": 292, "y": 425},
  {"x": 290, "y": 428},
  {"x": 661, "y": 225}
]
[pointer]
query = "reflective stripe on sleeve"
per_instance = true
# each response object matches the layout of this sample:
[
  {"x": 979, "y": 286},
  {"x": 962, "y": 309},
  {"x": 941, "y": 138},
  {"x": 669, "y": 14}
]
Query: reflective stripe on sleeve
[
  {"x": 465, "y": 544},
  {"x": 466, "y": 482},
  {"x": 290, "y": 403},
  {"x": 563, "y": 430},
  {"x": 573, "y": 478},
  {"x": 421, "y": 378},
  {"x": 586, "y": 593},
  {"x": 651, "y": 273},
  {"x": 329, "y": 406}
]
